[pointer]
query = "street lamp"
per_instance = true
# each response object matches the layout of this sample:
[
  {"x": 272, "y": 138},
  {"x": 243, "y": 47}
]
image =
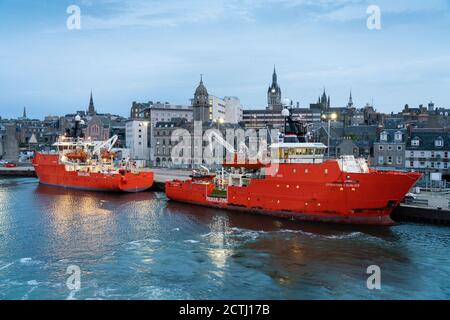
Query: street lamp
[
  {"x": 329, "y": 118},
  {"x": 219, "y": 121},
  {"x": 286, "y": 114}
]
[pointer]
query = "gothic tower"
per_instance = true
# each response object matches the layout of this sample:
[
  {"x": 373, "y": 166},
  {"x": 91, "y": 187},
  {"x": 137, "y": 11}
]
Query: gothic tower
[
  {"x": 200, "y": 104},
  {"x": 274, "y": 94},
  {"x": 325, "y": 101},
  {"x": 91, "y": 108}
]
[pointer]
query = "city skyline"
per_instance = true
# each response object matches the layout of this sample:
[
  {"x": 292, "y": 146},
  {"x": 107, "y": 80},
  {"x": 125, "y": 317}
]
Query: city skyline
[{"x": 141, "y": 51}]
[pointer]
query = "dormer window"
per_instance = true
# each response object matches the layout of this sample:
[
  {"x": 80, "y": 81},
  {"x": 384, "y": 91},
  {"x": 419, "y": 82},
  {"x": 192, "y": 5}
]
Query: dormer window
[
  {"x": 398, "y": 136},
  {"x": 439, "y": 142},
  {"x": 415, "y": 142},
  {"x": 384, "y": 136}
]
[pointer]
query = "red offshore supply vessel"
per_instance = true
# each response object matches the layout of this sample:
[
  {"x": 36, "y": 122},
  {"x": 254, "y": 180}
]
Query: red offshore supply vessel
[
  {"x": 300, "y": 184},
  {"x": 89, "y": 165}
]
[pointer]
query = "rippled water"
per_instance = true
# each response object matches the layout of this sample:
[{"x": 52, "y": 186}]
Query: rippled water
[{"x": 140, "y": 246}]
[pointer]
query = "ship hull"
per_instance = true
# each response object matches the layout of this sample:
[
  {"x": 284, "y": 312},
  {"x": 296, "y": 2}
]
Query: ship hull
[
  {"x": 319, "y": 192},
  {"x": 50, "y": 172}
]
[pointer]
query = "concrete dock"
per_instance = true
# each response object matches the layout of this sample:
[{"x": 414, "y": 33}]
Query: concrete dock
[
  {"x": 429, "y": 207},
  {"x": 20, "y": 171}
]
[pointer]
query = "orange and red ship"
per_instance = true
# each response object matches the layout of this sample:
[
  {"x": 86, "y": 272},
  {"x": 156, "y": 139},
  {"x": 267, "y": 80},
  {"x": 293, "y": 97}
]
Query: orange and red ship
[
  {"x": 300, "y": 184},
  {"x": 89, "y": 165}
]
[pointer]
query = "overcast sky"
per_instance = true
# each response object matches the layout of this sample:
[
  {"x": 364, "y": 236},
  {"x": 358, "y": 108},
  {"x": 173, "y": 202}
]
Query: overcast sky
[{"x": 141, "y": 50}]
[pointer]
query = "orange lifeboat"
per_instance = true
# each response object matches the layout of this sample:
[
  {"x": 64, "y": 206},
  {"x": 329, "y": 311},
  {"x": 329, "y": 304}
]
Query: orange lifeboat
[
  {"x": 77, "y": 155},
  {"x": 107, "y": 155}
]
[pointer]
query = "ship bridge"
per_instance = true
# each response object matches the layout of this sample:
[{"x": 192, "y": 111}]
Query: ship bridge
[{"x": 284, "y": 152}]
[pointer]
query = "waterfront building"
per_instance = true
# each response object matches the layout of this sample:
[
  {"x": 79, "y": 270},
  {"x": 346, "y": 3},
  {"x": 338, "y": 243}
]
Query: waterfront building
[
  {"x": 389, "y": 148},
  {"x": 137, "y": 139},
  {"x": 427, "y": 150},
  {"x": 158, "y": 112},
  {"x": 10, "y": 143},
  {"x": 163, "y": 133}
]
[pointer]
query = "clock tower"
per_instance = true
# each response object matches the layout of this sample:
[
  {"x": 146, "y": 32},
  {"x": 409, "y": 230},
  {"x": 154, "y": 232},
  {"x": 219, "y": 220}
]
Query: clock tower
[{"x": 274, "y": 94}]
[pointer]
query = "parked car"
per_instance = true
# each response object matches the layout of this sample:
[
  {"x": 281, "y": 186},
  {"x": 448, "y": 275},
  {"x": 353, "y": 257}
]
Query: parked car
[
  {"x": 3, "y": 162},
  {"x": 10, "y": 165}
]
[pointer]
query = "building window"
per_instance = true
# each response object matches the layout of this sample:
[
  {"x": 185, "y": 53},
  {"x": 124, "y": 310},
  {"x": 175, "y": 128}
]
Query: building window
[
  {"x": 380, "y": 160},
  {"x": 439, "y": 142},
  {"x": 415, "y": 142},
  {"x": 398, "y": 136},
  {"x": 399, "y": 160},
  {"x": 389, "y": 160},
  {"x": 390, "y": 148},
  {"x": 383, "y": 136},
  {"x": 411, "y": 164},
  {"x": 399, "y": 148},
  {"x": 380, "y": 148}
]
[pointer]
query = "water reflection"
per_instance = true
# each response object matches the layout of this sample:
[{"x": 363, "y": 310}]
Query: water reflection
[
  {"x": 87, "y": 223},
  {"x": 294, "y": 254},
  {"x": 161, "y": 249}
]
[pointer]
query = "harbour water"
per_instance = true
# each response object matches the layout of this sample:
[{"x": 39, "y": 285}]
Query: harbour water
[{"x": 140, "y": 246}]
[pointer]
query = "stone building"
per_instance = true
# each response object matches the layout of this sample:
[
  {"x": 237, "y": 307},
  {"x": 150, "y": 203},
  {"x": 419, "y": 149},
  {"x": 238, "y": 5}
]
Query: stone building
[
  {"x": 427, "y": 150},
  {"x": 98, "y": 128},
  {"x": 10, "y": 143},
  {"x": 158, "y": 112},
  {"x": 347, "y": 148},
  {"x": 389, "y": 149},
  {"x": 163, "y": 134}
]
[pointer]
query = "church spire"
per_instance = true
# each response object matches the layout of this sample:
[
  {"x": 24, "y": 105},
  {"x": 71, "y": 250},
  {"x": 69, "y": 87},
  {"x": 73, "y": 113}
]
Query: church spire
[
  {"x": 91, "y": 109},
  {"x": 350, "y": 100},
  {"x": 24, "y": 113}
]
